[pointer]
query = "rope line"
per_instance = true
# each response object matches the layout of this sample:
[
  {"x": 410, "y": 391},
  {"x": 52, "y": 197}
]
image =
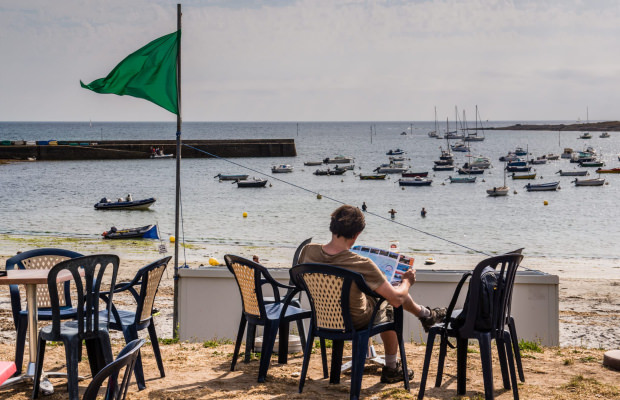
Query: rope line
[{"x": 338, "y": 201}]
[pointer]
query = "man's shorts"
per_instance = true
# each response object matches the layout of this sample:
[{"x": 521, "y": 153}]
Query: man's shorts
[{"x": 385, "y": 313}]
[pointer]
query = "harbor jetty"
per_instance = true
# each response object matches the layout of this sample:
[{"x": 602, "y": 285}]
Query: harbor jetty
[
  {"x": 135, "y": 149},
  {"x": 611, "y": 126}
]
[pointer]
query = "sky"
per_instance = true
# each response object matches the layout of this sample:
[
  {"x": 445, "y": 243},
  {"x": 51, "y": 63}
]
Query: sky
[{"x": 319, "y": 60}]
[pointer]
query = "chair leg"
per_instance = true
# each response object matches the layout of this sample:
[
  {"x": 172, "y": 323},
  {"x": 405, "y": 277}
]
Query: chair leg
[
  {"x": 238, "y": 342},
  {"x": 427, "y": 361},
  {"x": 307, "y": 353},
  {"x": 302, "y": 333},
  {"x": 250, "y": 337},
  {"x": 403, "y": 358},
  {"x": 359, "y": 350},
  {"x": 487, "y": 366},
  {"x": 20, "y": 342},
  {"x": 38, "y": 370},
  {"x": 269, "y": 338},
  {"x": 515, "y": 345},
  {"x": 155, "y": 344},
  {"x": 511, "y": 365},
  {"x": 501, "y": 353},
  {"x": 443, "y": 349},
  {"x": 337, "y": 349},
  {"x": 461, "y": 366},
  {"x": 130, "y": 333},
  {"x": 71, "y": 352},
  {"x": 323, "y": 356},
  {"x": 283, "y": 343}
]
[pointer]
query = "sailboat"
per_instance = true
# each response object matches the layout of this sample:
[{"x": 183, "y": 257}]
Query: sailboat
[
  {"x": 499, "y": 191},
  {"x": 434, "y": 133},
  {"x": 586, "y": 135},
  {"x": 473, "y": 137}
]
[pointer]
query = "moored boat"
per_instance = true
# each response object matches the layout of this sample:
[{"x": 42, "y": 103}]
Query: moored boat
[
  {"x": 251, "y": 183},
  {"x": 338, "y": 160},
  {"x": 143, "y": 232},
  {"x": 465, "y": 179},
  {"x": 327, "y": 172},
  {"x": 410, "y": 174},
  {"x": 282, "y": 168},
  {"x": 573, "y": 173},
  {"x": 608, "y": 171},
  {"x": 604, "y": 135},
  {"x": 462, "y": 147},
  {"x": 538, "y": 161},
  {"x": 372, "y": 177},
  {"x": 518, "y": 168},
  {"x": 520, "y": 152},
  {"x": 158, "y": 156},
  {"x": 542, "y": 187},
  {"x": 395, "y": 152},
  {"x": 567, "y": 153},
  {"x": 585, "y": 135},
  {"x": 528, "y": 176},
  {"x": 391, "y": 168},
  {"x": 106, "y": 204},
  {"x": 589, "y": 182},
  {"x": 470, "y": 171},
  {"x": 449, "y": 167},
  {"x": 231, "y": 177},
  {"x": 396, "y": 158},
  {"x": 498, "y": 191},
  {"x": 416, "y": 181},
  {"x": 592, "y": 163},
  {"x": 313, "y": 163}
]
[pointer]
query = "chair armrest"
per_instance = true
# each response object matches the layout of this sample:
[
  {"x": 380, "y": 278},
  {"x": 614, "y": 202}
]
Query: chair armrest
[{"x": 456, "y": 294}]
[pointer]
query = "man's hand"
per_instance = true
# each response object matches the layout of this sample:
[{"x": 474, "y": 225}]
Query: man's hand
[{"x": 410, "y": 276}]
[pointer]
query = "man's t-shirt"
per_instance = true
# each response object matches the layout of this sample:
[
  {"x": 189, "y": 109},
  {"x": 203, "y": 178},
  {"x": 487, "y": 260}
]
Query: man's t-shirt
[{"x": 361, "y": 306}]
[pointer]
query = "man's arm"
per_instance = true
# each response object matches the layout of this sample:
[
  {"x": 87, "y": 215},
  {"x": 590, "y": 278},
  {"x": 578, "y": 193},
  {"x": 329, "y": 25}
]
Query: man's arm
[{"x": 398, "y": 295}]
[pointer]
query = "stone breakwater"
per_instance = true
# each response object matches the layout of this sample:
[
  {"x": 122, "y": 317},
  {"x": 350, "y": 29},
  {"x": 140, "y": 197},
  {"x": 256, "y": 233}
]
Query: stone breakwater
[{"x": 135, "y": 149}]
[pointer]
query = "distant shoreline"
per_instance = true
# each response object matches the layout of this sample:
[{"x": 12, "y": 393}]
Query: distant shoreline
[{"x": 613, "y": 126}]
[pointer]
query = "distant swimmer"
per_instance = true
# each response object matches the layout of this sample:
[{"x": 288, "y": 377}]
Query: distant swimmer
[
  {"x": 423, "y": 212},
  {"x": 392, "y": 213},
  {"x": 364, "y": 208}
]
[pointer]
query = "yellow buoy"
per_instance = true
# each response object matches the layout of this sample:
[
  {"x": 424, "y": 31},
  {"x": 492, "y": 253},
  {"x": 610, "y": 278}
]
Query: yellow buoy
[
  {"x": 546, "y": 202},
  {"x": 172, "y": 239},
  {"x": 245, "y": 215},
  {"x": 213, "y": 261}
]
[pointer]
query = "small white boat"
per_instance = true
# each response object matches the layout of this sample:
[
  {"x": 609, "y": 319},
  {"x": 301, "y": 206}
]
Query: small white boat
[
  {"x": 282, "y": 168},
  {"x": 589, "y": 182},
  {"x": 429, "y": 261},
  {"x": 338, "y": 160},
  {"x": 313, "y": 163},
  {"x": 415, "y": 181},
  {"x": 604, "y": 135},
  {"x": 585, "y": 135},
  {"x": 552, "y": 157},
  {"x": 391, "y": 168},
  {"x": 396, "y": 158},
  {"x": 573, "y": 173},
  {"x": 498, "y": 191},
  {"x": 157, "y": 156}
]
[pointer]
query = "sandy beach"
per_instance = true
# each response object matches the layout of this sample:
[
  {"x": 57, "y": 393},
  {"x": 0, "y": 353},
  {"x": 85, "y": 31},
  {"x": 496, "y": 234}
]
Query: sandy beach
[{"x": 589, "y": 324}]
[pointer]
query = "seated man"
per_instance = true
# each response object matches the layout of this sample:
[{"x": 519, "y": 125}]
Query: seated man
[{"x": 347, "y": 222}]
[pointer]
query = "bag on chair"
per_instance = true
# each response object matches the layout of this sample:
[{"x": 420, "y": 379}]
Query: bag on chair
[{"x": 486, "y": 299}]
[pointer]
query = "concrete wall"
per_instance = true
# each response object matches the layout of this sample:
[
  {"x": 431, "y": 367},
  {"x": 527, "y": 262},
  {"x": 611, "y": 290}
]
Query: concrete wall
[{"x": 210, "y": 303}]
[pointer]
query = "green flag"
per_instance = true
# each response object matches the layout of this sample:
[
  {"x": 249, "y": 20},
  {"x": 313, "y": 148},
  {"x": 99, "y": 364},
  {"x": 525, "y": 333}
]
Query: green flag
[{"x": 149, "y": 73}]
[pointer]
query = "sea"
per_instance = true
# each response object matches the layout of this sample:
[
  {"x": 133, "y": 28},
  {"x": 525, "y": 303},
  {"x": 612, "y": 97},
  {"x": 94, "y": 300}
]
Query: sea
[{"x": 56, "y": 198}]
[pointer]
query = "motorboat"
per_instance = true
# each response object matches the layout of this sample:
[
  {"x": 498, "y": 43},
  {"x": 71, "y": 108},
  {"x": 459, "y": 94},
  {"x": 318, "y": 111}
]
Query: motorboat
[
  {"x": 465, "y": 179},
  {"x": 592, "y": 163},
  {"x": 520, "y": 152},
  {"x": 143, "y": 232},
  {"x": 480, "y": 162},
  {"x": 107, "y": 204},
  {"x": 312, "y": 163},
  {"x": 552, "y": 157},
  {"x": 158, "y": 156},
  {"x": 542, "y": 187},
  {"x": 604, "y": 135},
  {"x": 338, "y": 160},
  {"x": 567, "y": 153},
  {"x": 538, "y": 161},
  {"x": 372, "y": 177},
  {"x": 608, "y": 171},
  {"x": 416, "y": 181},
  {"x": 448, "y": 167},
  {"x": 231, "y": 177},
  {"x": 326, "y": 172},
  {"x": 460, "y": 147},
  {"x": 395, "y": 152},
  {"x": 573, "y": 173},
  {"x": 251, "y": 183},
  {"x": 509, "y": 157},
  {"x": 585, "y": 135},
  {"x": 391, "y": 168},
  {"x": 528, "y": 176},
  {"x": 410, "y": 174},
  {"x": 349, "y": 167},
  {"x": 396, "y": 158},
  {"x": 589, "y": 182},
  {"x": 282, "y": 168},
  {"x": 470, "y": 171},
  {"x": 516, "y": 168},
  {"x": 498, "y": 191}
]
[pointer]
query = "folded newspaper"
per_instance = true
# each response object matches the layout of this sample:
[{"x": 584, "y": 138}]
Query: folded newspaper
[{"x": 392, "y": 264}]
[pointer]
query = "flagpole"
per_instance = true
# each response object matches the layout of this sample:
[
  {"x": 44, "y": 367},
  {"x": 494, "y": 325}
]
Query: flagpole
[{"x": 175, "y": 314}]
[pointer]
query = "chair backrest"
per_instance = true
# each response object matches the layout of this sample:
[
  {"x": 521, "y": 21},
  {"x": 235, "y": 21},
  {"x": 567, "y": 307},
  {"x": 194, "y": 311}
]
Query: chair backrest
[
  {"x": 125, "y": 359},
  {"x": 248, "y": 277},
  {"x": 88, "y": 276},
  {"x": 299, "y": 249},
  {"x": 506, "y": 269},
  {"x": 150, "y": 277},
  {"x": 40, "y": 259},
  {"x": 328, "y": 288}
]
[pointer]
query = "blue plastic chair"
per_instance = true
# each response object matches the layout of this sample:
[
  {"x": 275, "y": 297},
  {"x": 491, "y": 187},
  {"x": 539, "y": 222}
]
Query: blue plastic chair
[
  {"x": 250, "y": 278},
  {"x": 88, "y": 275},
  {"x": 506, "y": 269},
  {"x": 131, "y": 322},
  {"x": 38, "y": 259},
  {"x": 114, "y": 390},
  {"x": 328, "y": 288}
]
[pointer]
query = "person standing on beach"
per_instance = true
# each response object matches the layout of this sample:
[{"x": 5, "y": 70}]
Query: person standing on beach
[
  {"x": 347, "y": 223},
  {"x": 423, "y": 213},
  {"x": 364, "y": 208}
]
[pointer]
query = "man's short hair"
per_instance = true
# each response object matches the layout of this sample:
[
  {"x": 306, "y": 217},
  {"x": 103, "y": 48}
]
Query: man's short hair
[{"x": 347, "y": 221}]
